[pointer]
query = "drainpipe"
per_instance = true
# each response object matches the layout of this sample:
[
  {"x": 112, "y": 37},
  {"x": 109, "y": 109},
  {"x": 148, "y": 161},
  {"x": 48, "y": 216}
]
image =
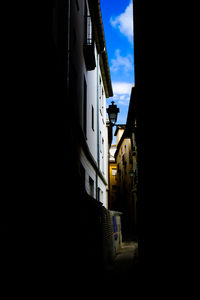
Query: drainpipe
[
  {"x": 108, "y": 165},
  {"x": 98, "y": 157}
]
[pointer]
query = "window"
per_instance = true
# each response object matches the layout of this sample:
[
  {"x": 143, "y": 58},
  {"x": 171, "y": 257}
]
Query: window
[
  {"x": 92, "y": 118},
  {"x": 99, "y": 194},
  {"x": 102, "y": 104},
  {"x": 114, "y": 187},
  {"x": 91, "y": 185},
  {"x": 88, "y": 45},
  {"x": 118, "y": 168},
  {"x": 114, "y": 171},
  {"x": 100, "y": 143},
  {"x": 124, "y": 160},
  {"x": 100, "y": 95},
  {"x": 103, "y": 155},
  {"x": 130, "y": 157},
  {"x": 88, "y": 27},
  {"x": 85, "y": 108}
]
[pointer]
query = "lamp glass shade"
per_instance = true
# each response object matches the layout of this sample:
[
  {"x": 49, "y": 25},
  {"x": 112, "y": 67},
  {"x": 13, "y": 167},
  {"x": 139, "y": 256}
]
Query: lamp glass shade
[
  {"x": 113, "y": 117},
  {"x": 112, "y": 111}
]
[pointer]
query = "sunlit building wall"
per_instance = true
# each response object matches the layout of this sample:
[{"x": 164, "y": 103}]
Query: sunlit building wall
[{"x": 92, "y": 86}]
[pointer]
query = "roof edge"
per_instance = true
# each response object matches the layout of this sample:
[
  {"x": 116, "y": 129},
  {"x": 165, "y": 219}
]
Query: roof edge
[{"x": 95, "y": 11}]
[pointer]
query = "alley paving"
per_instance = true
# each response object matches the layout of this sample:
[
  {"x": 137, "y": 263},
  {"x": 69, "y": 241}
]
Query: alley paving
[
  {"x": 120, "y": 280},
  {"x": 123, "y": 263},
  {"x": 122, "y": 274}
]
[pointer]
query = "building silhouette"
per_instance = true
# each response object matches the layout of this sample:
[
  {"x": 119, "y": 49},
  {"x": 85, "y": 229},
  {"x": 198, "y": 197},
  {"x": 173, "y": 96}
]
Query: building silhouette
[{"x": 124, "y": 172}]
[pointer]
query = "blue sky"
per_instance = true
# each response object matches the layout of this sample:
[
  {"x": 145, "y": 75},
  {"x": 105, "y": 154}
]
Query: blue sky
[{"x": 117, "y": 18}]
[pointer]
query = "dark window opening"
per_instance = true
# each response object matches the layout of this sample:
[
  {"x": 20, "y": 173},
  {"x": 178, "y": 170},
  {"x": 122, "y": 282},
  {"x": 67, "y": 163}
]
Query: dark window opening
[
  {"x": 92, "y": 118},
  {"x": 85, "y": 109},
  {"x": 91, "y": 184}
]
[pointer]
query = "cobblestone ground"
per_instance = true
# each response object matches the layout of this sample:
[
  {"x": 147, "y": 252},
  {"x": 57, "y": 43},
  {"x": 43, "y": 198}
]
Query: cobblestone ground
[{"x": 123, "y": 262}]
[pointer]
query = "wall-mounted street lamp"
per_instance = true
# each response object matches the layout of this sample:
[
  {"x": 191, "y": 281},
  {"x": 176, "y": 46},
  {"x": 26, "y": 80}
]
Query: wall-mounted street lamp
[{"x": 112, "y": 111}]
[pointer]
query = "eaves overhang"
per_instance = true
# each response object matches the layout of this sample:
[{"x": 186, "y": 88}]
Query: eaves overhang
[
  {"x": 98, "y": 30},
  {"x": 119, "y": 126}
]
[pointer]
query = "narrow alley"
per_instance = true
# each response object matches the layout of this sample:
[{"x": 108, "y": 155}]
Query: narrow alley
[{"x": 99, "y": 192}]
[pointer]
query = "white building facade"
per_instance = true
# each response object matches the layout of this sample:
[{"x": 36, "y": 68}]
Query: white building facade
[{"x": 93, "y": 84}]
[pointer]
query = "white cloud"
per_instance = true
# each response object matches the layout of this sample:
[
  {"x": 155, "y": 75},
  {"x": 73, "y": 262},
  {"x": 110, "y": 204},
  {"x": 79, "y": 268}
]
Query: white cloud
[
  {"x": 124, "y": 101},
  {"x": 124, "y": 22},
  {"x": 122, "y": 88},
  {"x": 125, "y": 63},
  {"x": 122, "y": 92}
]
